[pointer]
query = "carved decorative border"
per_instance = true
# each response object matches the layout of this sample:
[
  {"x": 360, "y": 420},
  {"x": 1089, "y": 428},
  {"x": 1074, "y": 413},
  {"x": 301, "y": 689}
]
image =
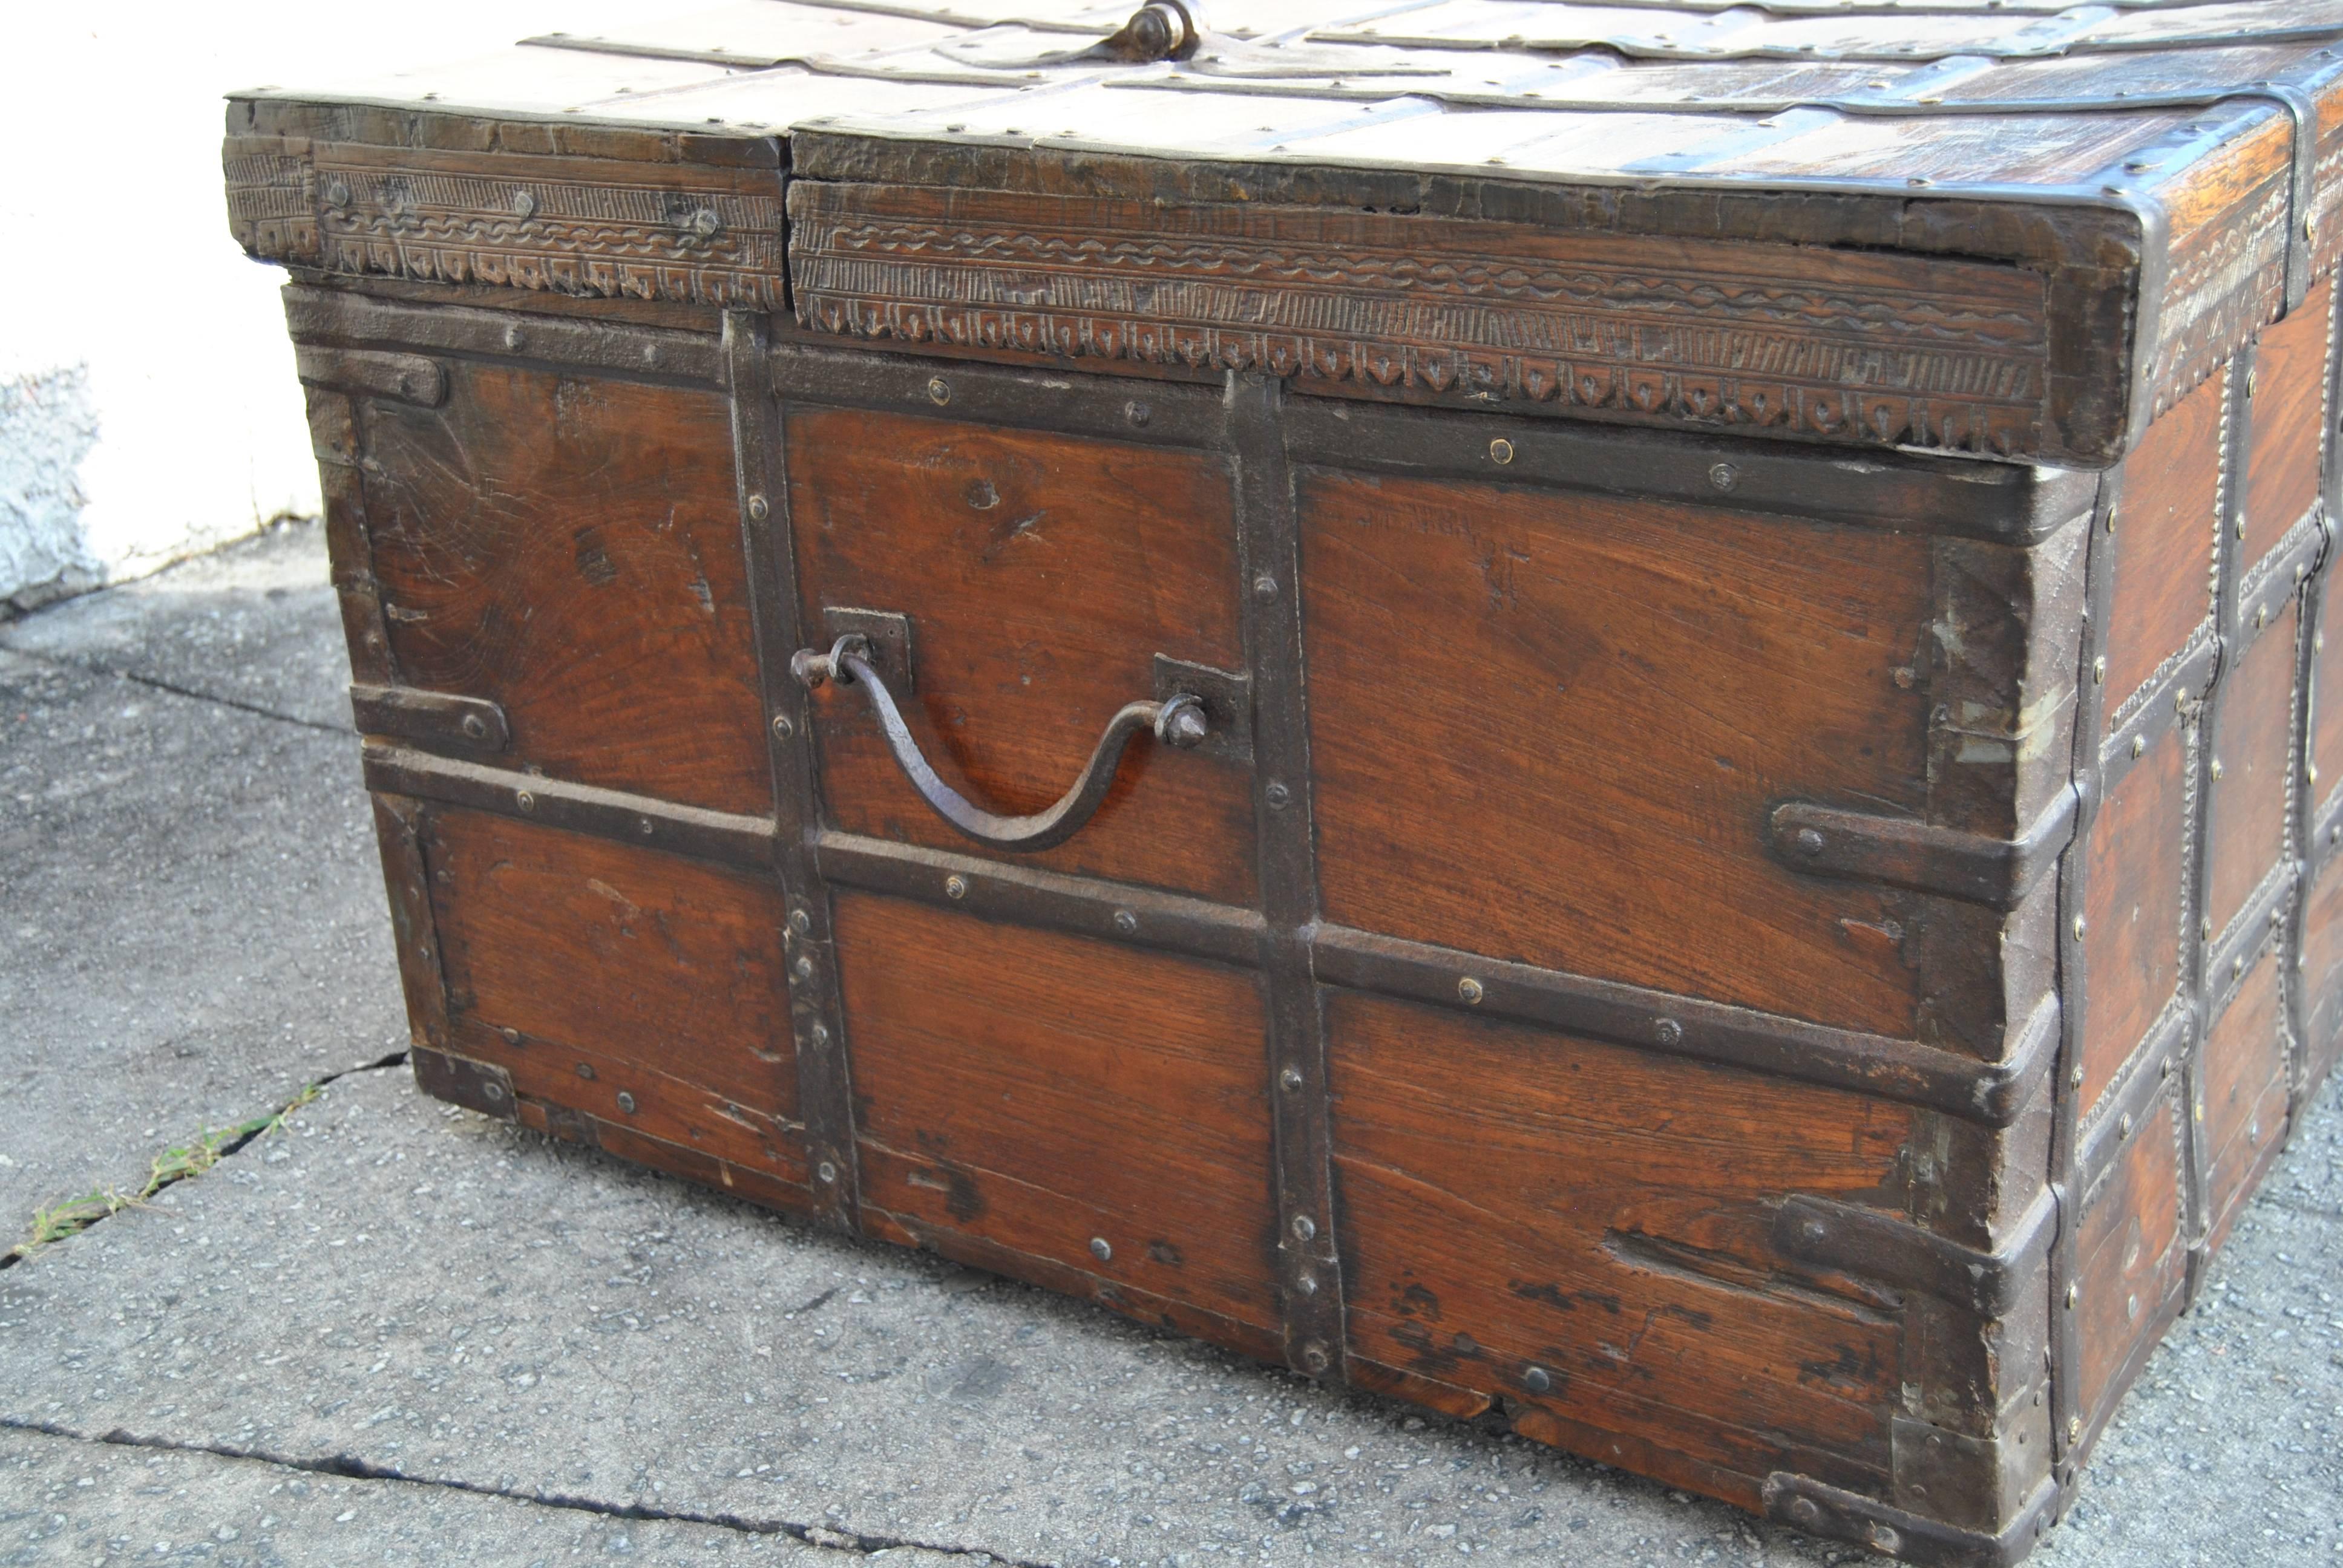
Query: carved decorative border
[
  {"x": 1899, "y": 350},
  {"x": 597, "y": 227}
]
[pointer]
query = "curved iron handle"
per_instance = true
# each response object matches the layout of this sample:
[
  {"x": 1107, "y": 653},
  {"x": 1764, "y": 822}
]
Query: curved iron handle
[{"x": 1178, "y": 721}]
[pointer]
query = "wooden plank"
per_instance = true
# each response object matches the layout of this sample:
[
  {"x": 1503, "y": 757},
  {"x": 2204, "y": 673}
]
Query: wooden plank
[
  {"x": 2163, "y": 531},
  {"x": 2283, "y": 456},
  {"x": 2133, "y": 1259},
  {"x": 1042, "y": 574},
  {"x": 2247, "y": 785},
  {"x": 2132, "y": 935},
  {"x": 1504, "y": 682},
  {"x": 2245, "y": 1087},
  {"x": 542, "y": 541}
]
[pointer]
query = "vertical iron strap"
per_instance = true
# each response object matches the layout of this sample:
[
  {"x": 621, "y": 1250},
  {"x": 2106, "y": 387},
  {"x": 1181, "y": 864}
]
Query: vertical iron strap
[
  {"x": 1269, "y": 558},
  {"x": 817, "y": 1019},
  {"x": 2303, "y": 795}
]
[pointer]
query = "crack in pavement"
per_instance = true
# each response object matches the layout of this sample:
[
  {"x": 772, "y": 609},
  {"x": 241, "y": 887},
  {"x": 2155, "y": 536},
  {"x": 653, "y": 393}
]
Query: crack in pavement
[
  {"x": 56, "y": 661},
  {"x": 352, "y": 1467},
  {"x": 9, "y": 1260}
]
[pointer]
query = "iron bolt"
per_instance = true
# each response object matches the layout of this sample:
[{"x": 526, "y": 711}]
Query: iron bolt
[
  {"x": 1291, "y": 1079},
  {"x": 2075, "y": 1076},
  {"x": 1470, "y": 989},
  {"x": 2261, "y": 616},
  {"x": 1137, "y": 413},
  {"x": 1723, "y": 475},
  {"x": 1304, "y": 1226},
  {"x": 1306, "y": 1283},
  {"x": 1187, "y": 730},
  {"x": 828, "y": 1173},
  {"x": 2074, "y": 1294},
  {"x": 2123, "y": 1125},
  {"x": 515, "y": 338},
  {"x": 626, "y": 1102},
  {"x": 801, "y": 922},
  {"x": 2078, "y": 927},
  {"x": 586, "y": 1070},
  {"x": 782, "y": 727},
  {"x": 1277, "y": 796},
  {"x": 525, "y": 801},
  {"x": 818, "y": 1032},
  {"x": 1804, "y": 1511},
  {"x": 2138, "y": 745},
  {"x": 939, "y": 391},
  {"x": 804, "y": 967},
  {"x": 1264, "y": 587},
  {"x": 1501, "y": 450},
  {"x": 2237, "y": 966},
  {"x": 1809, "y": 841},
  {"x": 1669, "y": 1031},
  {"x": 1537, "y": 1380},
  {"x": 492, "y": 1089},
  {"x": 2073, "y": 1429},
  {"x": 645, "y": 825},
  {"x": 2100, "y": 670},
  {"x": 1099, "y": 1249},
  {"x": 955, "y": 886},
  {"x": 759, "y": 508},
  {"x": 1125, "y": 921},
  {"x": 475, "y": 727},
  {"x": 1314, "y": 1359},
  {"x": 511, "y": 1035},
  {"x": 2216, "y": 768}
]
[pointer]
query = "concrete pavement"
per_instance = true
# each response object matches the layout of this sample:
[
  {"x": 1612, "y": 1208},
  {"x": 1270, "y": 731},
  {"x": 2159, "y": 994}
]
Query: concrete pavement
[{"x": 392, "y": 1330}]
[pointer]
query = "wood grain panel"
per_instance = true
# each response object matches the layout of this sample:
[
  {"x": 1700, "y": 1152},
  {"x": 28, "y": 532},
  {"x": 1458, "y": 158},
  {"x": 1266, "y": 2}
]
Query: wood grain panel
[
  {"x": 2129, "y": 1257},
  {"x": 1550, "y": 727},
  {"x": 2131, "y": 934},
  {"x": 2289, "y": 405},
  {"x": 570, "y": 549},
  {"x": 1515, "y": 1199},
  {"x": 590, "y": 970},
  {"x": 2166, "y": 524},
  {"x": 2253, "y": 743},
  {"x": 1043, "y": 575},
  {"x": 2322, "y": 976},
  {"x": 2244, "y": 1092},
  {"x": 1044, "y": 1093}
]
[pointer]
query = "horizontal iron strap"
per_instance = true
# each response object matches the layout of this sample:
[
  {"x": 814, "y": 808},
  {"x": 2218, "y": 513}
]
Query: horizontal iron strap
[
  {"x": 1865, "y": 846},
  {"x": 2145, "y": 717},
  {"x": 637, "y": 819},
  {"x": 2233, "y": 952},
  {"x": 1887, "y": 1249},
  {"x": 1901, "y": 1069},
  {"x": 2263, "y": 592},
  {"x": 339, "y": 316},
  {"x": 1999, "y": 503}
]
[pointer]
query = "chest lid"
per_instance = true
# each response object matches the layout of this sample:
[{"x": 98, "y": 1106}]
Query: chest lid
[{"x": 2002, "y": 227}]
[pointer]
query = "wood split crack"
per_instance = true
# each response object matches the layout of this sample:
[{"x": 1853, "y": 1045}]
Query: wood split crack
[{"x": 356, "y": 1468}]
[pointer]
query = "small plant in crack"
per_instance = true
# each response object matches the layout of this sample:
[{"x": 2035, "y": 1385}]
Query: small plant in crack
[{"x": 69, "y": 1217}]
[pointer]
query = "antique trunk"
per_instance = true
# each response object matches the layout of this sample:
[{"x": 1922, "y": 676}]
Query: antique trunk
[{"x": 1610, "y": 716}]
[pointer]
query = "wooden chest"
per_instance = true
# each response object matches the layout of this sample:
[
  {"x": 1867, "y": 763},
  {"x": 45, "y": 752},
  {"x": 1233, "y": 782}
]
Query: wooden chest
[{"x": 1610, "y": 716}]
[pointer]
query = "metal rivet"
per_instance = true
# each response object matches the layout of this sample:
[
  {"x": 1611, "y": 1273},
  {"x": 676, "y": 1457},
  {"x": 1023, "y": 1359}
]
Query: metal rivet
[
  {"x": 2139, "y": 745},
  {"x": 525, "y": 801},
  {"x": 511, "y": 1035},
  {"x": 1277, "y": 796},
  {"x": 2241, "y": 528},
  {"x": 2075, "y": 1076},
  {"x": 2123, "y": 1125},
  {"x": 1669, "y": 1031},
  {"x": 2261, "y": 616},
  {"x": 1314, "y": 1358},
  {"x": 828, "y": 1173},
  {"x": 626, "y": 1102},
  {"x": 801, "y": 922},
  {"x": 1264, "y": 587},
  {"x": 1809, "y": 841},
  {"x": 955, "y": 886},
  {"x": 1501, "y": 450},
  {"x": 2074, "y": 1294},
  {"x": 1306, "y": 1283},
  {"x": 492, "y": 1091},
  {"x": 1723, "y": 475},
  {"x": 1537, "y": 1380},
  {"x": 525, "y": 204},
  {"x": 817, "y": 1033},
  {"x": 804, "y": 967},
  {"x": 1291, "y": 1079},
  {"x": 1304, "y": 1226},
  {"x": 1805, "y": 1511},
  {"x": 645, "y": 825},
  {"x": 1125, "y": 921},
  {"x": 475, "y": 727},
  {"x": 2249, "y": 383},
  {"x": 2111, "y": 519},
  {"x": 2078, "y": 927},
  {"x": 1468, "y": 989},
  {"x": 2073, "y": 1429},
  {"x": 2204, "y": 927},
  {"x": 338, "y": 193},
  {"x": 1099, "y": 1249},
  {"x": 782, "y": 727},
  {"x": 939, "y": 391},
  {"x": 584, "y": 1070},
  {"x": 2237, "y": 966},
  {"x": 2310, "y": 771},
  {"x": 2200, "y": 1110},
  {"x": 2100, "y": 670},
  {"x": 515, "y": 338},
  {"x": 759, "y": 508},
  {"x": 2216, "y": 768},
  {"x": 2163, "y": 1068},
  {"x": 1137, "y": 413}
]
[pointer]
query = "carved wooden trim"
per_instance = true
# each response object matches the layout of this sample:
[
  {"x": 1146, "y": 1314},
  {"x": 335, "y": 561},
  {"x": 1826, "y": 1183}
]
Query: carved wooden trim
[
  {"x": 1888, "y": 349},
  {"x": 684, "y": 233}
]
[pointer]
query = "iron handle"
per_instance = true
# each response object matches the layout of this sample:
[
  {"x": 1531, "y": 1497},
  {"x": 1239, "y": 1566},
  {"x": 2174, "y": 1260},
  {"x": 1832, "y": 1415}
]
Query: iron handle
[{"x": 1178, "y": 721}]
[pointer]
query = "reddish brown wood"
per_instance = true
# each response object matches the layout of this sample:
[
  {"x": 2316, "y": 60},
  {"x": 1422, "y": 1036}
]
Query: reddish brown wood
[
  {"x": 2165, "y": 531},
  {"x": 2326, "y": 739},
  {"x": 2133, "y": 1255},
  {"x": 2245, "y": 1093},
  {"x": 2289, "y": 403},
  {"x": 1610, "y": 1229},
  {"x": 591, "y": 970},
  {"x": 1043, "y": 575},
  {"x": 2132, "y": 936},
  {"x": 569, "y": 548},
  {"x": 2246, "y": 803},
  {"x": 1055, "y": 1098},
  {"x": 1550, "y": 727}
]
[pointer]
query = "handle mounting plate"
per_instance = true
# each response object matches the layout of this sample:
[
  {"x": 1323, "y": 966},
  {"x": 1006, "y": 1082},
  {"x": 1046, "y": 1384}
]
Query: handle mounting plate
[{"x": 890, "y": 640}]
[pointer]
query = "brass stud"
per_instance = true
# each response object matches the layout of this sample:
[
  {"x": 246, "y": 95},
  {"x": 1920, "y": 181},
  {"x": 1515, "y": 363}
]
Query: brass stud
[
  {"x": 2074, "y": 1294},
  {"x": 2075, "y": 1076},
  {"x": 2073, "y": 1429},
  {"x": 782, "y": 727},
  {"x": 2111, "y": 519},
  {"x": 955, "y": 886},
  {"x": 525, "y": 801},
  {"x": 2138, "y": 745},
  {"x": 2100, "y": 670},
  {"x": 2237, "y": 966},
  {"x": 1470, "y": 989},
  {"x": 2310, "y": 771},
  {"x": 759, "y": 508},
  {"x": 2216, "y": 769},
  {"x": 939, "y": 391},
  {"x": 511, "y": 1036},
  {"x": 1125, "y": 921},
  {"x": 1290, "y": 1079},
  {"x": 2249, "y": 383},
  {"x": 2261, "y": 616},
  {"x": 2123, "y": 1125},
  {"x": 2078, "y": 927},
  {"x": 1501, "y": 450}
]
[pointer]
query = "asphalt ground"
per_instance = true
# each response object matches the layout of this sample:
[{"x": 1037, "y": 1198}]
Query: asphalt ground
[{"x": 385, "y": 1330}]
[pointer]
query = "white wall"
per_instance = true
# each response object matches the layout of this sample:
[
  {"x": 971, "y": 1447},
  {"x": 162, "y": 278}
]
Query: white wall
[{"x": 147, "y": 404}]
